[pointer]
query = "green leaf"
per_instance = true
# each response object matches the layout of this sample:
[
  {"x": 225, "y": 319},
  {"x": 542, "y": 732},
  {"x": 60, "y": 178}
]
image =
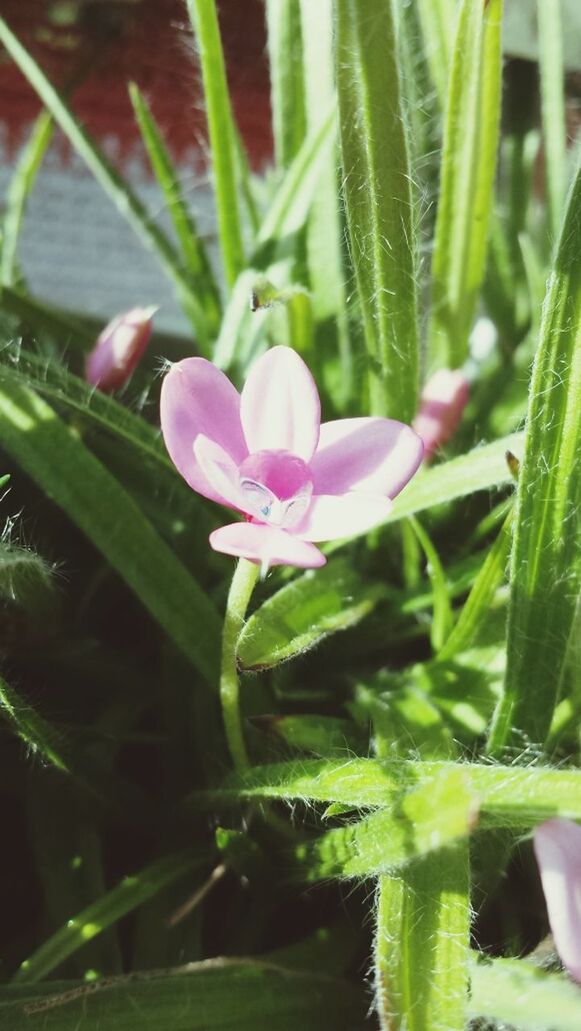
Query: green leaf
[
  {"x": 476, "y": 608},
  {"x": 513, "y": 991},
  {"x": 291, "y": 203},
  {"x": 18, "y": 192},
  {"x": 507, "y": 796},
  {"x": 216, "y": 995},
  {"x": 421, "y": 943},
  {"x": 124, "y": 198},
  {"x": 550, "y": 39},
  {"x": 480, "y": 469},
  {"x": 379, "y": 200},
  {"x": 192, "y": 246},
  {"x": 436, "y": 18},
  {"x": 62, "y": 466},
  {"x": 126, "y": 896},
  {"x": 303, "y": 612},
  {"x": 427, "y": 818},
  {"x": 467, "y": 179},
  {"x": 546, "y": 555},
  {"x": 322, "y": 735},
  {"x": 287, "y": 98},
  {"x": 442, "y": 614},
  {"x": 222, "y": 132}
]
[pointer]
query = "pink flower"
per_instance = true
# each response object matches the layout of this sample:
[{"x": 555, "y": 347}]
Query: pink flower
[
  {"x": 442, "y": 403},
  {"x": 119, "y": 349},
  {"x": 557, "y": 846},
  {"x": 265, "y": 454}
]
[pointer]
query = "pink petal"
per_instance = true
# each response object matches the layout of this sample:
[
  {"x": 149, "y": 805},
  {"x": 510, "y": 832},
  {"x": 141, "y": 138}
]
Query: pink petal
[
  {"x": 197, "y": 398},
  {"x": 557, "y": 846},
  {"x": 331, "y": 516},
  {"x": 279, "y": 405},
  {"x": 374, "y": 456},
  {"x": 220, "y": 471},
  {"x": 442, "y": 404},
  {"x": 267, "y": 545}
]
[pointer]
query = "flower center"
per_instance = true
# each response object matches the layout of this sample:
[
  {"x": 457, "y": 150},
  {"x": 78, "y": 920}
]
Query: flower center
[{"x": 277, "y": 487}]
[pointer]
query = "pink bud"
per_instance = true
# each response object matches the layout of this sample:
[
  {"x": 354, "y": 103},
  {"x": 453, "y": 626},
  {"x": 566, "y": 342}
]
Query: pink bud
[
  {"x": 557, "y": 846},
  {"x": 119, "y": 349},
  {"x": 442, "y": 403}
]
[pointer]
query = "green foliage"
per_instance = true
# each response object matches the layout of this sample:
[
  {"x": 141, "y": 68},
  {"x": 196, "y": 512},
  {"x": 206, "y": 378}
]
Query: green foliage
[{"x": 400, "y": 719}]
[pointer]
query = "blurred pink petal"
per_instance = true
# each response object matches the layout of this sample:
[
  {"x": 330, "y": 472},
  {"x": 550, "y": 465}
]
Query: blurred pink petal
[
  {"x": 268, "y": 545},
  {"x": 197, "y": 398},
  {"x": 280, "y": 406},
  {"x": 557, "y": 845},
  {"x": 442, "y": 404},
  {"x": 330, "y": 516},
  {"x": 373, "y": 455},
  {"x": 119, "y": 349}
]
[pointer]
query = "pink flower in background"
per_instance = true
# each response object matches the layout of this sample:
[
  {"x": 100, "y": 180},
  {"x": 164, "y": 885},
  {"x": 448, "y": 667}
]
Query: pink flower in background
[
  {"x": 442, "y": 403},
  {"x": 119, "y": 349},
  {"x": 265, "y": 454},
  {"x": 557, "y": 846}
]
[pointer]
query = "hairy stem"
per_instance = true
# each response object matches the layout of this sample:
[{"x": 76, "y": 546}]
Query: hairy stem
[{"x": 239, "y": 595}]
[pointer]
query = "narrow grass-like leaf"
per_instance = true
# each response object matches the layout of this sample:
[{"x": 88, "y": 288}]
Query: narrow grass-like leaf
[
  {"x": 44, "y": 318},
  {"x": 476, "y": 608},
  {"x": 241, "y": 328},
  {"x": 222, "y": 131},
  {"x": 18, "y": 191},
  {"x": 507, "y": 796},
  {"x": 378, "y": 200},
  {"x": 291, "y": 203},
  {"x": 436, "y": 18},
  {"x": 442, "y": 609},
  {"x": 192, "y": 246},
  {"x": 550, "y": 39},
  {"x": 216, "y": 995},
  {"x": 126, "y": 896},
  {"x": 54, "y": 382},
  {"x": 514, "y": 992},
  {"x": 481, "y": 469},
  {"x": 467, "y": 178},
  {"x": 426, "y": 819},
  {"x": 37, "y": 733},
  {"x": 122, "y": 195},
  {"x": 65, "y": 469},
  {"x": 421, "y": 943},
  {"x": 546, "y": 554},
  {"x": 303, "y": 612},
  {"x": 287, "y": 94}
]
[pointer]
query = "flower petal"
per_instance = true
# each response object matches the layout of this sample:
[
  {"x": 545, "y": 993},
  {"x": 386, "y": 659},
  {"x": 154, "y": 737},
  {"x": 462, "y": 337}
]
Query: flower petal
[
  {"x": 267, "y": 545},
  {"x": 373, "y": 455},
  {"x": 279, "y": 405},
  {"x": 220, "y": 471},
  {"x": 332, "y": 516},
  {"x": 557, "y": 845},
  {"x": 197, "y": 398}
]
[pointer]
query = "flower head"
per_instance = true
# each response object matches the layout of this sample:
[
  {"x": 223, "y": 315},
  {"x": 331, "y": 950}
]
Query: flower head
[
  {"x": 119, "y": 348},
  {"x": 442, "y": 403},
  {"x": 265, "y": 454},
  {"x": 557, "y": 846}
]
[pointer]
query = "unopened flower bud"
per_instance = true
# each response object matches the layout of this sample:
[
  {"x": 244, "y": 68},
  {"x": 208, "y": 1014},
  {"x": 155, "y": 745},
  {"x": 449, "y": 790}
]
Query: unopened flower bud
[
  {"x": 119, "y": 349},
  {"x": 442, "y": 403}
]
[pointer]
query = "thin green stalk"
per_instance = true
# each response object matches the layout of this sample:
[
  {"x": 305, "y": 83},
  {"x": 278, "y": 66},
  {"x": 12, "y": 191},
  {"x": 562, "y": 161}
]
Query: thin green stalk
[
  {"x": 221, "y": 128},
  {"x": 241, "y": 588},
  {"x": 552, "y": 107}
]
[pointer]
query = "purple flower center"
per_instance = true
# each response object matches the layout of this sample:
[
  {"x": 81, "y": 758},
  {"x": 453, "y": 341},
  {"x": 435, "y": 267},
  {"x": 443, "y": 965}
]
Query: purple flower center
[{"x": 277, "y": 486}]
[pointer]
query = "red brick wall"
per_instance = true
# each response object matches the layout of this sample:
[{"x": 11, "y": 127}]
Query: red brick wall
[{"x": 149, "y": 41}]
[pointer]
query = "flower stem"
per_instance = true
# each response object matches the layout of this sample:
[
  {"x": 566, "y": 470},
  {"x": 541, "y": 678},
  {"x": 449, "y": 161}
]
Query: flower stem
[{"x": 241, "y": 588}]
